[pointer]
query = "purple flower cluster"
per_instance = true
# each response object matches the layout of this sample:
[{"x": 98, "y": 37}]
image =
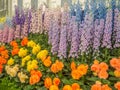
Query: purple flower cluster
[
  {"x": 106, "y": 42},
  {"x": 117, "y": 28},
  {"x": 86, "y": 34}
]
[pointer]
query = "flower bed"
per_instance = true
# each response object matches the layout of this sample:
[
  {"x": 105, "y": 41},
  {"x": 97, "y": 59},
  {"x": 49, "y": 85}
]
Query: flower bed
[{"x": 27, "y": 64}]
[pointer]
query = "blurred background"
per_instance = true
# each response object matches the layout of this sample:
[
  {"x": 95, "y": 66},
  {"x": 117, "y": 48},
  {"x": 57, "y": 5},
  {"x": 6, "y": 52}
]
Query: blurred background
[{"x": 7, "y": 6}]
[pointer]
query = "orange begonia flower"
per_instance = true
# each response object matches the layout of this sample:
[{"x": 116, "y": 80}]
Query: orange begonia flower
[
  {"x": 54, "y": 68},
  {"x": 76, "y": 74},
  {"x": 96, "y": 87},
  {"x": 106, "y": 87},
  {"x": 56, "y": 81},
  {"x": 48, "y": 82},
  {"x": 2, "y": 48},
  {"x": 14, "y": 44},
  {"x": 24, "y": 41},
  {"x": 103, "y": 66},
  {"x": 15, "y": 51},
  {"x": 60, "y": 65},
  {"x": 95, "y": 68},
  {"x": 73, "y": 65},
  {"x": 67, "y": 87},
  {"x": 83, "y": 68},
  {"x": 117, "y": 85},
  {"x": 103, "y": 74},
  {"x": 47, "y": 62},
  {"x": 34, "y": 79},
  {"x": 75, "y": 86},
  {"x": 114, "y": 62}
]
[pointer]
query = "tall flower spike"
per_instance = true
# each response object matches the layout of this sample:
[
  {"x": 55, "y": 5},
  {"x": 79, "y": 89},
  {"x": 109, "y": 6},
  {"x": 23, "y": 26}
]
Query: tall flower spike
[
  {"x": 74, "y": 42},
  {"x": 62, "y": 53},
  {"x": 106, "y": 42},
  {"x": 116, "y": 28},
  {"x": 55, "y": 37}
]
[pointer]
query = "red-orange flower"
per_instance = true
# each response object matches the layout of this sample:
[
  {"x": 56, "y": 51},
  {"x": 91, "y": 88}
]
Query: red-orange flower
[
  {"x": 56, "y": 81},
  {"x": 24, "y": 41},
  {"x": 48, "y": 82},
  {"x": 96, "y": 87},
  {"x": 54, "y": 68},
  {"x": 2, "y": 48},
  {"x": 14, "y": 44},
  {"x": 75, "y": 86},
  {"x": 15, "y": 51},
  {"x": 34, "y": 79},
  {"x": 117, "y": 85}
]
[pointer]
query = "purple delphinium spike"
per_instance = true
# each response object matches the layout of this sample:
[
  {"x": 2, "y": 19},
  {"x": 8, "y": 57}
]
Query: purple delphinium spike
[
  {"x": 117, "y": 28},
  {"x": 108, "y": 30},
  {"x": 11, "y": 34},
  {"x": 55, "y": 37},
  {"x": 74, "y": 42},
  {"x": 17, "y": 32},
  {"x": 5, "y": 33},
  {"x": 63, "y": 42},
  {"x": 50, "y": 29},
  {"x": 1, "y": 32},
  {"x": 86, "y": 34}
]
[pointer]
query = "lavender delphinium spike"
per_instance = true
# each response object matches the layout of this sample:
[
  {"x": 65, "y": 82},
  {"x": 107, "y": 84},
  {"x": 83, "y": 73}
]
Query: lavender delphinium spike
[
  {"x": 97, "y": 35},
  {"x": 11, "y": 30},
  {"x": 117, "y": 28},
  {"x": 107, "y": 31},
  {"x": 74, "y": 42},
  {"x": 62, "y": 52},
  {"x": 55, "y": 37},
  {"x": 1, "y": 32},
  {"x": 5, "y": 33},
  {"x": 63, "y": 43},
  {"x": 86, "y": 34},
  {"x": 70, "y": 28},
  {"x": 50, "y": 29}
]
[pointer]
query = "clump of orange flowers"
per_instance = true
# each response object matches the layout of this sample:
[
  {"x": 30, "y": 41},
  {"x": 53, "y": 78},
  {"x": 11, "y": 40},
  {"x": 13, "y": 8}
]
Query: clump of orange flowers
[
  {"x": 78, "y": 71},
  {"x": 47, "y": 61},
  {"x": 117, "y": 85},
  {"x": 74, "y": 86},
  {"x": 35, "y": 77},
  {"x": 100, "y": 69},
  {"x": 98, "y": 86},
  {"x": 15, "y": 49},
  {"x": 3, "y": 57},
  {"x": 115, "y": 63},
  {"x": 48, "y": 83},
  {"x": 24, "y": 41},
  {"x": 57, "y": 66}
]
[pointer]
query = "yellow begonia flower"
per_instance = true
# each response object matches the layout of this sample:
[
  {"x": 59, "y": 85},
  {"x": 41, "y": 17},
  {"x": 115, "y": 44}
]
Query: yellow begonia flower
[
  {"x": 27, "y": 58},
  {"x": 42, "y": 54},
  {"x": 31, "y": 65},
  {"x": 22, "y": 52},
  {"x": 36, "y": 49},
  {"x": 31, "y": 44},
  {"x": 10, "y": 61}
]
